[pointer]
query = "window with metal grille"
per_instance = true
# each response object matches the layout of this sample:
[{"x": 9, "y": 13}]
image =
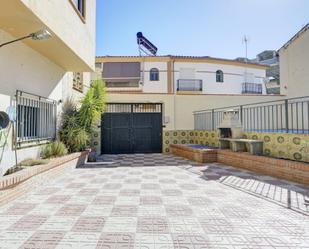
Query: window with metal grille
[
  {"x": 154, "y": 74},
  {"x": 35, "y": 118},
  {"x": 219, "y": 76},
  {"x": 78, "y": 81}
]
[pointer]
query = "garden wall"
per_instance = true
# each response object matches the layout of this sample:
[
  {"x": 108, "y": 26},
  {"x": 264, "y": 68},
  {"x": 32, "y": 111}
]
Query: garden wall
[{"x": 280, "y": 145}]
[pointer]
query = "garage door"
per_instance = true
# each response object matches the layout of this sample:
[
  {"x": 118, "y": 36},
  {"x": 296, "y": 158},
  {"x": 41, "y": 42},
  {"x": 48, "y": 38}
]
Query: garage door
[{"x": 131, "y": 128}]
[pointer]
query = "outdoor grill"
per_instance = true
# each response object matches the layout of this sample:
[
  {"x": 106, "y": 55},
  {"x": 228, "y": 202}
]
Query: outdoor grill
[{"x": 230, "y": 126}]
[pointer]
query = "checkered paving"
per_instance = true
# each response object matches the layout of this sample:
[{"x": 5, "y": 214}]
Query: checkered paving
[
  {"x": 178, "y": 205},
  {"x": 143, "y": 160}
]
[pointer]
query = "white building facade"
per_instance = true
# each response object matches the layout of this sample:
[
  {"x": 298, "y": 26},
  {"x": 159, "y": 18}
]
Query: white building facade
[
  {"x": 187, "y": 75},
  {"x": 37, "y": 76}
]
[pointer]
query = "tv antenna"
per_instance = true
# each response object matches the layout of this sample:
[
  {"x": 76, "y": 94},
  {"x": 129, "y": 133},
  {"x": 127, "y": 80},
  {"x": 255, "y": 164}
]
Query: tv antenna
[
  {"x": 245, "y": 40},
  {"x": 145, "y": 46}
]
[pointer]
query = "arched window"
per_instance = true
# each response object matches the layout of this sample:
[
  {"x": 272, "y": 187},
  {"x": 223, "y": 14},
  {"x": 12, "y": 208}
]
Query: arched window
[
  {"x": 154, "y": 74},
  {"x": 219, "y": 76}
]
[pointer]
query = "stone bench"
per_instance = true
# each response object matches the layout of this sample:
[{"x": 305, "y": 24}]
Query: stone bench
[{"x": 254, "y": 147}]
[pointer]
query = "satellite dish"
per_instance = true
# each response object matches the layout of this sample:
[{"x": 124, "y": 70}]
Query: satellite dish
[{"x": 4, "y": 120}]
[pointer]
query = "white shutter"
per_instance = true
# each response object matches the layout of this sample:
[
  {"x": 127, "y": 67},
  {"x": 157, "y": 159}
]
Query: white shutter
[{"x": 187, "y": 73}]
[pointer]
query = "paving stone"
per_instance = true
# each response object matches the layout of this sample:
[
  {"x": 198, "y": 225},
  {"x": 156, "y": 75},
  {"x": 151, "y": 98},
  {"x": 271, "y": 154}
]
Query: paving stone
[{"x": 158, "y": 201}]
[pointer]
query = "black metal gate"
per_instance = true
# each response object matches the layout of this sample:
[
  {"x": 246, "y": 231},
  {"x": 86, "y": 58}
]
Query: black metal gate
[{"x": 131, "y": 128}]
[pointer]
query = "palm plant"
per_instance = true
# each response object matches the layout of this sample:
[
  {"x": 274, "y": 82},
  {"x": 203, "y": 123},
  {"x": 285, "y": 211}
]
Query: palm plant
[
  {"x": 92, "y": 105},
  {"x": 77, "y": 125}
]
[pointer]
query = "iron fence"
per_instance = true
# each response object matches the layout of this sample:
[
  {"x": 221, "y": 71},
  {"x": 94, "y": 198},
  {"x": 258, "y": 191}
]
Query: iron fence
[
  {"x": 36, "y": 118},
  {"x": 189, "y": 85},
  {"x": 288, "y": 115},
  {"x": 252, "y": 88},
  {"x": 133, "y": 107}
]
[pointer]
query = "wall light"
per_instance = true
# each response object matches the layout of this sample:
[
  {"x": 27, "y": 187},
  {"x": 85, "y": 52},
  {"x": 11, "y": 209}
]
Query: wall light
[{"x": 42, "y": 34}]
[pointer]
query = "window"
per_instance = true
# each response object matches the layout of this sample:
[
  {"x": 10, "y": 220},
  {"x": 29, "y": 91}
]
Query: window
[
  {"x": 79, "y": 6},
  {"x": 78, "y": 82},
  {"x": 154, "y": 74},
  {"x": 35, "y": 119},
  {"x": 98, "y": 65},
  {"x": 219, "y": 76}
]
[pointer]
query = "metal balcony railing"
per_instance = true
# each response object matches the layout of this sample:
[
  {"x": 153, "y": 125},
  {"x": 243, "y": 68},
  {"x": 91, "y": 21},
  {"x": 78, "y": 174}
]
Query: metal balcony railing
[
  {"x": 252, "y": 88},
  {"x": 189, "y": 85}
]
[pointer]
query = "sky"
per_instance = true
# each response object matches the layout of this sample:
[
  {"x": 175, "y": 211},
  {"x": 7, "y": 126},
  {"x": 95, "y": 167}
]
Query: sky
[{"x": 198, "y": 27}]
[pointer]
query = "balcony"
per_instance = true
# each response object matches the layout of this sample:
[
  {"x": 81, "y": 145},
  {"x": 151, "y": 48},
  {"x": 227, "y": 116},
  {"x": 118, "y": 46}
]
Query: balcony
[
  {"x": 188, "y": 85},
  {"x": 252, "y": 88}
]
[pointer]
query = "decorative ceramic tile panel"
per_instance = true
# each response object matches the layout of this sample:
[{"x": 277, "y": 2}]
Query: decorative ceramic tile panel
[{"x": 280, "y": 145}]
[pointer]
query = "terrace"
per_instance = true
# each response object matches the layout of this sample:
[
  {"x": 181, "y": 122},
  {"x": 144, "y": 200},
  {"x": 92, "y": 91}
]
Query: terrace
[{"x": 157, "y": 200}]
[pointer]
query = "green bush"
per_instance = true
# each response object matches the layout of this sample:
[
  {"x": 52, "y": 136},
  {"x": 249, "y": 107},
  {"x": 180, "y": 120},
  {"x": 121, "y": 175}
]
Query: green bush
[
  {"x": 32, "y": 162},
  {"x": 77, "y": 125},
  {"x": 73, "y": 135},
  {"x": 54, "y": 149},
  {"x": 92, "y": 105}
]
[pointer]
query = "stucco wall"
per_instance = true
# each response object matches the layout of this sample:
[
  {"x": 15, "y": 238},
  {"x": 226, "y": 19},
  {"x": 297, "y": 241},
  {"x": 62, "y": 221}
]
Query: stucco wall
[
  {"x": 180, "y": 114},
  {"x": 159, "y": 86},
  {"x": 294, "y": 67},
  {"x": 61, "y": 19},
  {"x": 233, "y": 76},
  {"x": 27, "y": 70}
]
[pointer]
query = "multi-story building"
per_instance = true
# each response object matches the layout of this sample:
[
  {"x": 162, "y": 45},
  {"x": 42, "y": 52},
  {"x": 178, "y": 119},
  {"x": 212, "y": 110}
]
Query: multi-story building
[
  {"x": 36, "y": 76},
  {"x": 185, "y": 74},
  {"x": 271, "y": 59},
  {"x": 148, "y": 95},
  {"x": 294, "y": 64}
]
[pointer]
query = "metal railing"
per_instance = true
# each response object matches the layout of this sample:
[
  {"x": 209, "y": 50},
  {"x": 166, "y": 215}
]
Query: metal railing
[
  {"x": 252, "y": 88},
  {"x": 36, "y": 118},
  {"x": 189, "y": 85},
  {"x": 288, "y": 115}
]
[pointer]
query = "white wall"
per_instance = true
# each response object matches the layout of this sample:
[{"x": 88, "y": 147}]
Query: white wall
[
  {"x": 159, "y": 86},
  {"x": 22, "y": 68},
  {"x": 294, "y": 67},
  {"x": 233, "y": 76},
  {"x": 61, "y": 18},
  {"x": 179, "y": 108}
]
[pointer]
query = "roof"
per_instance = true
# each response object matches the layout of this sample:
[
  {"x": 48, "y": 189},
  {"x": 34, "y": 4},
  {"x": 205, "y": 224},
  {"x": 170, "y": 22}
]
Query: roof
[
  {"x": 298, "y": 34},
  {"x": 181, "y": 58}
]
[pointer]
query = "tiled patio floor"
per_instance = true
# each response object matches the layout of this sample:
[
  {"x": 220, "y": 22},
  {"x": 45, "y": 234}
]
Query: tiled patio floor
[{"x": 164, "y": 203}]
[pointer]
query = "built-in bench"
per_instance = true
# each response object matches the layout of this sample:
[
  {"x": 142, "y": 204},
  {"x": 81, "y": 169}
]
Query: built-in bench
[{"x": 254, "y": 147}]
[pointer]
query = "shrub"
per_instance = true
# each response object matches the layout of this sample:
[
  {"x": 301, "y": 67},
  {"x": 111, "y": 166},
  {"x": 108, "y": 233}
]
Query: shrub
[
  {"x": 54, "y": 149},
  {"x": 73, "y": 135},
  {"x": 76, "y": 138},
  {"x": 92, "y": 105},
  {"x": 32, "y": 162},
  {"x": 77, "y": 125}
]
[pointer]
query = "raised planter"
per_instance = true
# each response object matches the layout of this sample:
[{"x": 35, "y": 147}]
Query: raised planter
[
  {"x": 198, "y": 153},
  {"x": 281, "y": 168},
  {"x": 16, "y": 184}
]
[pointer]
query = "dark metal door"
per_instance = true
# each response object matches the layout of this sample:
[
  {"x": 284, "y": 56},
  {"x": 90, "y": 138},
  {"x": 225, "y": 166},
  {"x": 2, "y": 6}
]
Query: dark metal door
[{"x": 132, "y": 128}]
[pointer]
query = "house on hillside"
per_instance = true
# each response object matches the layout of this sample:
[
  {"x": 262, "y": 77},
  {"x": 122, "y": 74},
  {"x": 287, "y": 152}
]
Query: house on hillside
[
  {"x": 39, "y": 72},
  {"x": 294, "y": 64}
]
